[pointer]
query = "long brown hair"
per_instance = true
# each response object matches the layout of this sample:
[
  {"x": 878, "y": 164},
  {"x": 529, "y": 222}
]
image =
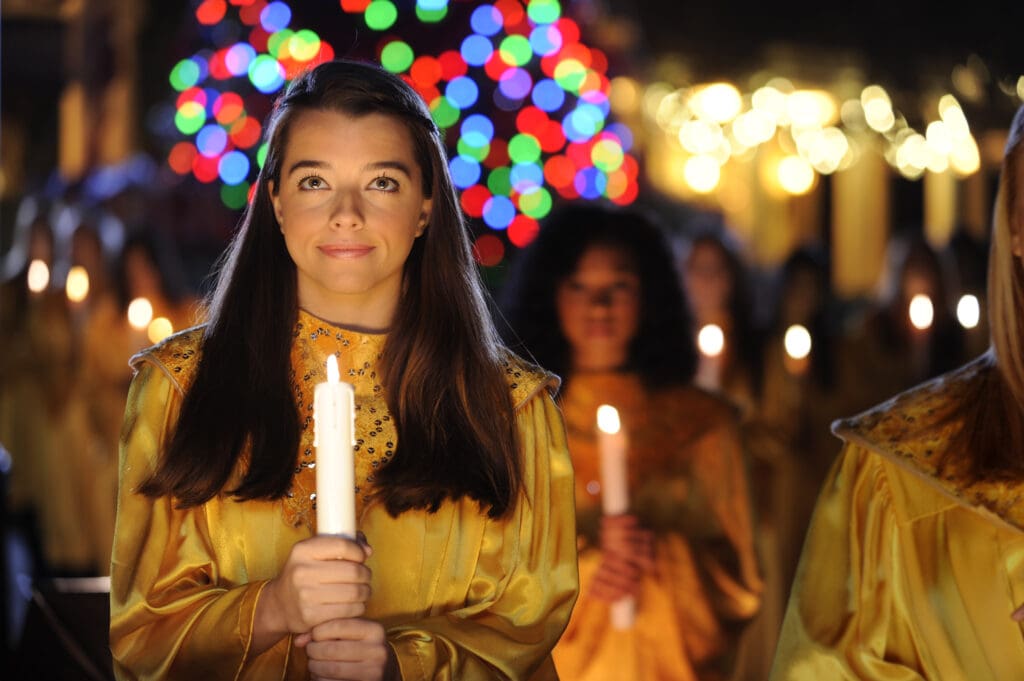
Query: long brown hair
[
  {"x": 442, "y": 368},
  {"x": 993, "y": 429}
]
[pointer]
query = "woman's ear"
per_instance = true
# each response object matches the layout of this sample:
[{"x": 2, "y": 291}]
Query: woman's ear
[
  {"x": 421, "y": 224},
  {"x": 275, "y": 201}
]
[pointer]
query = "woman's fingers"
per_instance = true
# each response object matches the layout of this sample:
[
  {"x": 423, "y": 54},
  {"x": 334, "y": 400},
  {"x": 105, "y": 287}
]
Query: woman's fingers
[{"x": 352, "y": 649}]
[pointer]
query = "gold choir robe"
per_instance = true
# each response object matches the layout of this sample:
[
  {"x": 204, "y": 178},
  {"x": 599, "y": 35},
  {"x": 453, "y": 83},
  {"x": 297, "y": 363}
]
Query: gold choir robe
[
  {"x": 906, "y": 574},
  {"x": 462, "y": 596},
  {"x": 687, "y": 483}
]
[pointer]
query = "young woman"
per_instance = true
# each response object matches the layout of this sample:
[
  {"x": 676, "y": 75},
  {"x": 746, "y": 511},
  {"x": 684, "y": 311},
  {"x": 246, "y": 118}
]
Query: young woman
[
  {"x": 597, "y": 297},
  {"x": 912, "y": 565},
  {"x": 354, "y": 246}
]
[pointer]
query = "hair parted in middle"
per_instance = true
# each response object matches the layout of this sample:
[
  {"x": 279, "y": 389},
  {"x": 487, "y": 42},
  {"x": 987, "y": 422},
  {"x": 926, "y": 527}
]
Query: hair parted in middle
[{"x": 442, "y": 360}]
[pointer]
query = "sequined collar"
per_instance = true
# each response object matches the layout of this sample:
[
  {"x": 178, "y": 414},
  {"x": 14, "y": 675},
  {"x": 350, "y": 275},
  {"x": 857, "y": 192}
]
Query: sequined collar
[{"x": 915, "y": 430}]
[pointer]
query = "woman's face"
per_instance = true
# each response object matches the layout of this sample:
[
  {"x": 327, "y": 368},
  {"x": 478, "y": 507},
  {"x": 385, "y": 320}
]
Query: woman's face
[
  {"x": 599, "y": 309},
  {"x": 708, "y": 282},
  {"x": 350, "y": 205}
]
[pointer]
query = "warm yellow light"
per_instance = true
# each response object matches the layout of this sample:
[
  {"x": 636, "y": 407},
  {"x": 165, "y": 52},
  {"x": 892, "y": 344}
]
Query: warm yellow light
[
  {"x": 38, "y": 276},
  {"x": 771, "y": 101},
  {"x": 823, "y": 149},
  {"x": 939, "y": 137},
  {"x": 753, "y": 127},
  {"x": 654, "y": 95},
  {"x": 159, "y": 329},
  {"x": 140, "y": 313},
  {"x": 852, "y": 114},
  {"x": 624, "y": 95},
  {"x": 912, "y": 154},
  {"x": 968, "y": 311},
  {"x": 1020, "y": 88},
  {"x": 953, "y": 116},
  {"x": 795, "y": 175},
  {"x": 812, "y": 108},
  {"x": 711, "y": 340},
  {"x": 608, "y": 419},
  {"x": 77, "y": 284},
  {"x": 700, "y": 137},
  {"x": 702, "y": 173},
  {"x": 717, "y": 103},
  {"x": 965, "y": 158},
  {"x": 921, "y": 311},
  {"x": 877, "y": 108},
  {"x": 797, "y": 341}
]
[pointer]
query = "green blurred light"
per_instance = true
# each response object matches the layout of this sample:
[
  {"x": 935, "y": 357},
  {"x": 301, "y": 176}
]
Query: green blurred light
[
  {"x": 190, "y": 117},
  {"x": 431, "y": 16},
  {"x": 464, "y": 148},
  {"x": 381, "y": 15},
  {"x": 184, "y": 75},
  {"x": 397, "y": 56},
  {"x": 499, "y": 181},
  {"x": 234, "y": 196},
  {"x": 261, "y": 154},
  {"x": 536, "y": 203},
  {"x": 279, "y": 43},
  {"x": 544, "y": 11},
  {"x": 523, "y": 148},
  {"x": 444, "y": 112},
  {"x": 304, "y": 45},
  {"x": 516, "y": 50},
  {"x": 570, "y": 74}
]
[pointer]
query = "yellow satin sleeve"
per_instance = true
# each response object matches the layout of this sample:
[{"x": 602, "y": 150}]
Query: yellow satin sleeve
[
  {"x": 899, "y": 580},
  {"x": 177, "y": 610},
  {"x": 478, "y": 599}
]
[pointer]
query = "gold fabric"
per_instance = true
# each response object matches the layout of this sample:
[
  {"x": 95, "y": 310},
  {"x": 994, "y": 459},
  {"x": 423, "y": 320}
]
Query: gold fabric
[
  {"x": 905, "y": 574},
  {"x": 688, "y": 484},
  {"x": 462, "y": 596}
]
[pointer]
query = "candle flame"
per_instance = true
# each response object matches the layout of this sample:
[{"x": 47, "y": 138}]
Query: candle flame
[
  {"x": 921, "y": 311},
  {"x": 77, "y": 284},
  {"x": 333, "y": 375},
  {"x": 608, "y": 419},
  {"x": 140, "y": 313},
  {"x": 797, "y": 341},
  {"x": 38, "y": 276},
  {"x": 968, "y": 311},
  {"x": 711, "y": 340}
]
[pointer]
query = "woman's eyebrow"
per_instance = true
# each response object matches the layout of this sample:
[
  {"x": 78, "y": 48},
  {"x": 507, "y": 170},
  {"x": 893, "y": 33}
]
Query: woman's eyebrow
[{"x": 389, "y": 165}]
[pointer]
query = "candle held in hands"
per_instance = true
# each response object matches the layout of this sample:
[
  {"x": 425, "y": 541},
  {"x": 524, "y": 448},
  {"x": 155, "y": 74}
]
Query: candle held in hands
[
  {"x": 613, "y": 446},
  {"x": 334, "y": 439}
]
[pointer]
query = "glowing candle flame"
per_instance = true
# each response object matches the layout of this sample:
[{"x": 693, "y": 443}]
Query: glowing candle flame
[
  {"x": 140, "y": 313},
  {"x": 77, "y": 285},
  {"x": 333, "y": 375},
  {"x": 921, "y": 311},
  {"x": 711, "y": 340},
  {"x": 38, "y": 276},
  {"x": 797, "y": 341},
  {"x": 608, "y": 419},
  {"x": 968, "y": 311},
  {"x": 159, "y": 329}
]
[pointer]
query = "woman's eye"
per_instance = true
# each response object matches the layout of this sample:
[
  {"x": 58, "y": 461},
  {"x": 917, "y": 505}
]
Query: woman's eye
[
  {"x": 312, "y": 182},
  {"x": 385, "y": 183}
]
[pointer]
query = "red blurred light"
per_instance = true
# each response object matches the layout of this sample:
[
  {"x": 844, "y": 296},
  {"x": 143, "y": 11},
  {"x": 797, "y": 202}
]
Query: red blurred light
[
  {"x": 452, "y": 65},
  {"x": 219, "y": 66},
  {"x": 181, "y": 157},
  {"x": 488, "y": 250},
  {"x": 559, "y": 171},
  {"x": 250, "y": 16},
  {"x": 496, "y": 66},
  {"x": 246, "y": 132},
  {"x": 354, "y": 6},
  {"x": 532, "y": 120},
  {"x": 193, "y": 94},
  {"x": 205, "y": 168},
  {"x": 258, "y": 39},
  {"x": 569, "y": 29},
  {"x": 551, "y": 137},
  {"x": 228, "y": 108},
  {"x": 523, "y": 230},
  {"x": 498, "y": 154},
  {"x": 425, "y": 71},
  {"x": 511, "y": 11},
  {"x": 473, "y": 200},
  {"x": 211, "y": 11}
]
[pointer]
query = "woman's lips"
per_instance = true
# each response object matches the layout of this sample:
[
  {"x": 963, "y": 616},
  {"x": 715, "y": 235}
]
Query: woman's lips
[{"x": 345, "y": 250}]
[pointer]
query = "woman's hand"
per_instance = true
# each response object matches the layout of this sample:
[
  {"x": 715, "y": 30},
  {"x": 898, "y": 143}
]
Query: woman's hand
[
  {"x": 1018, "y": 614},
  {"x": 627, "y": 553},
  {"x": 349, "y": 649},
  {"x": 323, "y": 579}
]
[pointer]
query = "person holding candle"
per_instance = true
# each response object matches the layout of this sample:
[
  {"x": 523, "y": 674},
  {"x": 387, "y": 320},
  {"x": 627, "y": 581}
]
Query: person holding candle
[
  {"x": 597, "y": 299},
  {"x": 353, "y": 246},
  {"x": 912, "y": 564}
]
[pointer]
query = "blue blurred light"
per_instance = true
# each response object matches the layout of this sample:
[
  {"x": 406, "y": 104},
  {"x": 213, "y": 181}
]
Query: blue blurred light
[
  {"x": 486, "y": 20},
  {"x": 238, "y": 58},
  {"x": 548, "y": 95},
  {"x": 465, "y": 171},
  {"x": 275, "y": 16},
  {"x": 526, "y": 176},
  {"x": 476, "y": 50},
  {"x": 211, "y": 140},
  {"x": 499, "y": 212},
  {"x": 462, "y": 91},
  {"x": 545, "y": 40},
  {"x": 515, "y": 83},
  {"x": 233, "y": 167},
  {"x": 477, "y": 130},
  {"x": 624, "y": 134},
  {"x": 590, "y": 182}
]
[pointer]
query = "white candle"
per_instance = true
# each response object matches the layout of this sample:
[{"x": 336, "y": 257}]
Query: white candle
[
  {"x": 334, "y": 438},
  {"x": 613, "y": 446},
  {"x": 711, "y": 344}
]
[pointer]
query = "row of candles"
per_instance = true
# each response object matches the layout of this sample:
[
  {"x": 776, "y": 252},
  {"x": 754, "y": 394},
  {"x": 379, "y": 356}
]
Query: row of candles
[{"x": 76, "y": 288}]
